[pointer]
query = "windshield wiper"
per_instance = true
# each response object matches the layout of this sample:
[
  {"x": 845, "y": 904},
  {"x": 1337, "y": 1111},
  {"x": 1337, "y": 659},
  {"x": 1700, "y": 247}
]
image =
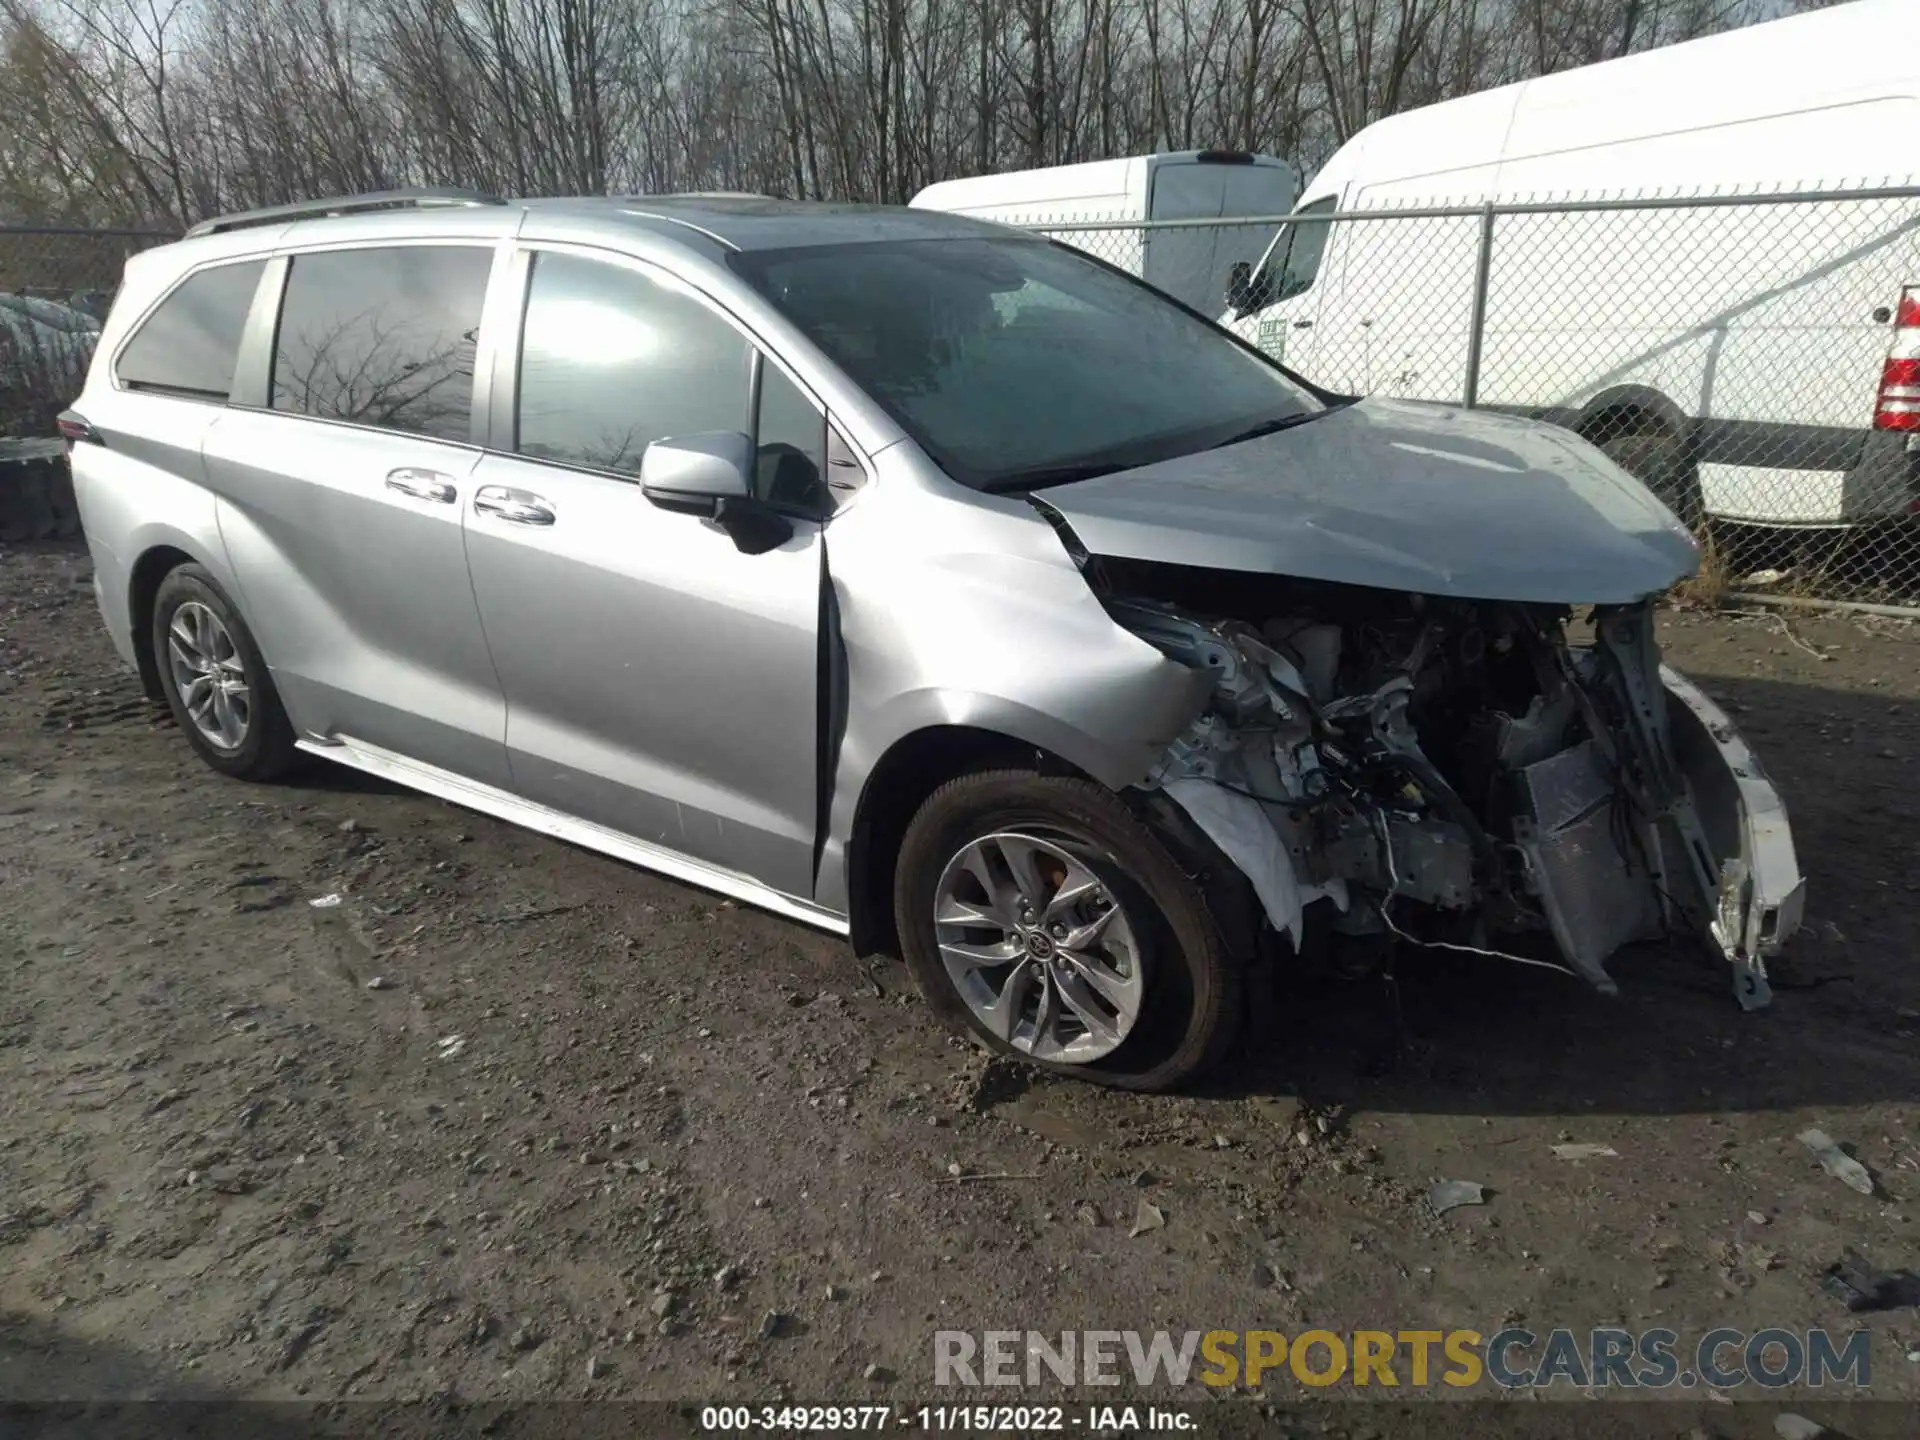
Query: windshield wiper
[
  {"x": 1271, "y": 427},
  {"x": 1042, "y": 475}
]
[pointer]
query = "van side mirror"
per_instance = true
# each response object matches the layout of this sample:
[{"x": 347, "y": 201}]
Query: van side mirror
[
  {"x": 1240, "y": 287},
  {"x": 711, "y": 475},
  {"x": 690, "y": 472}
]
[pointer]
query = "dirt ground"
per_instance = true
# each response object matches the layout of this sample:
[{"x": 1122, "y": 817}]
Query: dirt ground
[{"x": 512, "y": 1121}]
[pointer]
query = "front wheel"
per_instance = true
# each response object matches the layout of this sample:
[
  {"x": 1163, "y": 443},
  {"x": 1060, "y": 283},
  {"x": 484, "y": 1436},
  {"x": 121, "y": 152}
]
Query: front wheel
[{"x": 1042, "y": 917}]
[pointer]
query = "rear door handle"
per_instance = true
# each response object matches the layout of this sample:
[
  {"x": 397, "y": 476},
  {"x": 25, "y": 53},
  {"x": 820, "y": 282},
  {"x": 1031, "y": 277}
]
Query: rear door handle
[
  {"x": 1303, "y": 324},
  {"x": 422, "y": 484},
  {"x": 520, "y": 507}
]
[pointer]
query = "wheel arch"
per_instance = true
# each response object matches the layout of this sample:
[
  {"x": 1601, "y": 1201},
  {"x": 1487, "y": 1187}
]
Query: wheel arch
[
  {"x": 921, "y": 762},
  {"x": 154, "y": 564},
  {"x": 910, "y": 770},
  {"x": 1636, "y": 403}
]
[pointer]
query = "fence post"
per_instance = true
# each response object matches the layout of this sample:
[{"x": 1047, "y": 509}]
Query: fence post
[{"x": 1477, "y": 330}]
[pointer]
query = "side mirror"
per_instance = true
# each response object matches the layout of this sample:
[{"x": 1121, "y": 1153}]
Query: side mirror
[
  {"x": 1240, "y": 286},
  {"x": 692, "y": 473},
  {"x": 711, "y": 476}
]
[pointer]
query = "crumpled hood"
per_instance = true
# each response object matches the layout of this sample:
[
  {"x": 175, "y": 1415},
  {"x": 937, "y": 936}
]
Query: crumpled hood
[{"x": 1402, "y": 496}]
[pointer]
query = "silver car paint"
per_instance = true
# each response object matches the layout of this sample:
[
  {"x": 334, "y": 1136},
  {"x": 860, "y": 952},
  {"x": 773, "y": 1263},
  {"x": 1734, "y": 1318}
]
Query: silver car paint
[
  {"x": 145, "y": 491},
  {"x": 920, "y": 623},
  {"x": 982, "y": 620},
  {"x": 1403, "y": 496},
  {"x": 948, "y": 607},
  {"x": 673, "y": 611},
  {"x": 1762, "y": 894},
  {"x": 359, "y": 591},
  {"x": 657, "y": 681}
]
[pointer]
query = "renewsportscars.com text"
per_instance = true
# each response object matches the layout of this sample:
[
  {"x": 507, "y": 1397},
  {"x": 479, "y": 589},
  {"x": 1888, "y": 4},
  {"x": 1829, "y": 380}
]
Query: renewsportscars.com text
[{"x": 1512, "y": 1358}]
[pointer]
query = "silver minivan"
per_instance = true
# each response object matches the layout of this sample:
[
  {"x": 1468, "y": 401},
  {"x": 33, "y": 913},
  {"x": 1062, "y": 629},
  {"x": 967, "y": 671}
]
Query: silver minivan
[{"x": 920, "y": 580}]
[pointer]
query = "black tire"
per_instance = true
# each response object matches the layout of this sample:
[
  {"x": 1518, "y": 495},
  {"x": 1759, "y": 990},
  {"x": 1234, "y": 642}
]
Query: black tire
[
  {"x": 1654, "y": 456},
  {"x": 266, "y": 750},
  {"x": 1192, "y": 1004}
]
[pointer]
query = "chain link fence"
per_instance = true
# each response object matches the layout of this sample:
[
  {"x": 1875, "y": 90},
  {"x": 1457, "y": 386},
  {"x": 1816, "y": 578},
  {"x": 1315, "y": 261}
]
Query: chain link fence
[
  {"x": 55, "y": 287},
  {"x": 1754, "y": 358}
]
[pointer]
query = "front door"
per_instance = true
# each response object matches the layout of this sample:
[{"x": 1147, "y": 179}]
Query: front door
[{"x": 658, "y": 681}]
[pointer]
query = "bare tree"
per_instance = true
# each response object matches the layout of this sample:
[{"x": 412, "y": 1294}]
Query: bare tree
[{"x": 165, "y": 110}]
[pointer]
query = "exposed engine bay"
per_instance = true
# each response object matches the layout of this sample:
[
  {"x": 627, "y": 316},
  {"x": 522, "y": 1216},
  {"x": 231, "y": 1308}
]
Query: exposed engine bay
[{"x": 1485, "y": 776}]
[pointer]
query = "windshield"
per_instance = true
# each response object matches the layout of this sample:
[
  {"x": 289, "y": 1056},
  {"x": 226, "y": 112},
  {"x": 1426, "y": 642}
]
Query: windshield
[{"x": 1016, "y": 363}]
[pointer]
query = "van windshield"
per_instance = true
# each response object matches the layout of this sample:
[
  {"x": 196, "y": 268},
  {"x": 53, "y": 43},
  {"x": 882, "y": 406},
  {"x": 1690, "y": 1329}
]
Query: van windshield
[{"x": 1016, "y": 363}]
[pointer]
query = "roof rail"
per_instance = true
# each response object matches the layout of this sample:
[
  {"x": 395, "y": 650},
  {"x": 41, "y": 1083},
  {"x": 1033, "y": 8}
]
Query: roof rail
[
  {"x": 423, "y": 197},
  {"x": 698, "y": 195}
]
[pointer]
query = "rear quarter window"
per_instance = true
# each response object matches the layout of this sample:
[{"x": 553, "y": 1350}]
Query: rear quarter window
[{"x": 189, "y": 344}]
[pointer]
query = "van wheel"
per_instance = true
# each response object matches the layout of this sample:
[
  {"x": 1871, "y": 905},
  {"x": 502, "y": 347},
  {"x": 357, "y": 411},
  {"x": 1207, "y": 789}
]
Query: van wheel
[
  {"x": 1654, "y": 456},
  {"x": 215, "y": 681},
  {"x": 1043, "y": 918}
]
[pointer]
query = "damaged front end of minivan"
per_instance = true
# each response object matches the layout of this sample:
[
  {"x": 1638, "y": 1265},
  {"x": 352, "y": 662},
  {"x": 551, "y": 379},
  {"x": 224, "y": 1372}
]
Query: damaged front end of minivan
[
  {"x": 1517, "y": 779},
  {"x": 1438, "y": 712}
]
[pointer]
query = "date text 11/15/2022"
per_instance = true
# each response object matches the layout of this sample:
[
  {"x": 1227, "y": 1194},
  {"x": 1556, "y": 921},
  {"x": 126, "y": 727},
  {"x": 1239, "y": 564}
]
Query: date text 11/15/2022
[{"x": 1011, "y": 1419}]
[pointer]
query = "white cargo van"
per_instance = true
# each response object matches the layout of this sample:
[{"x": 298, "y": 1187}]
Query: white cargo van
[
  {"x": 1191, "y": 265},
  {"x": 1747, "y": 360}
]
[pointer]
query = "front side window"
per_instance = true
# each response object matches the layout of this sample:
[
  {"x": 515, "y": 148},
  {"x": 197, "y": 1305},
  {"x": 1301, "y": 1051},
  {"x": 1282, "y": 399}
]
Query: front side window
[
  {"x": 612, "y": 360},
  {"x": 1296, "y": 256},
  {"x": 383, "y": 337},
  {"x": 790, "y": 439},
  {"x": 1015, "y": 362},
  {"x": 188, "y": 346}
]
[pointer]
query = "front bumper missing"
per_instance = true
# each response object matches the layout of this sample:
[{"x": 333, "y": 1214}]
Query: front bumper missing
[
  {"x": 1658, "y": 823},
  {"x": 1743, "y": 821}
]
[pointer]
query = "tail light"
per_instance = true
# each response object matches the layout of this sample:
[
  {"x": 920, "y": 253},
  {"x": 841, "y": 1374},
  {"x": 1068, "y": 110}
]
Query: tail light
[{"x": 1898, "y": 407}]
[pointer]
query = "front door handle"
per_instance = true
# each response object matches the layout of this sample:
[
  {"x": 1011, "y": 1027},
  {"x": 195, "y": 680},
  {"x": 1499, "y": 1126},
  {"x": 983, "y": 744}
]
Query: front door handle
[
  {"x": 1303, "y": 324},
  {"x": 521, "y": 507},
  {"x": 422, "y": 484}
]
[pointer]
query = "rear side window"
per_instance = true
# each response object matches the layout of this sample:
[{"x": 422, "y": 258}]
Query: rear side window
[
  {"x": 612, "y": 360},
  {"x": 383, "y": 337},
  {"x": 188, "y": 346}
]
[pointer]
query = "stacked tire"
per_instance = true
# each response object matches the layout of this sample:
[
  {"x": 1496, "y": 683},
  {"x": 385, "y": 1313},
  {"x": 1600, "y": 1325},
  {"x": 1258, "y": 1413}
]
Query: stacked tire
[{"x": 36, "y": 498}]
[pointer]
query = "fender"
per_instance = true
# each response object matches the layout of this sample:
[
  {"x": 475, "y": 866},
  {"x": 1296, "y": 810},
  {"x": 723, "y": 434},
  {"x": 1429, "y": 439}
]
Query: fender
[
  {"x": 997, "y": 634},
  {"x": 118, "y": 494},
  {"x": 993, "y": 723}
]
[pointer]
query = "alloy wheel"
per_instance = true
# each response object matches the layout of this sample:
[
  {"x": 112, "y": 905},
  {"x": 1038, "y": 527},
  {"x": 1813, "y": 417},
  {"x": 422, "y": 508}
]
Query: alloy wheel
[
  {"x": 1038, "y": 947},
  {"x": 209, "y": 675}
]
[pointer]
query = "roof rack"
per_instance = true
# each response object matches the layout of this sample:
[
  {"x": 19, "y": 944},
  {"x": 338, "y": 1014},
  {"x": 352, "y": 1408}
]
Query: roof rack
[{"x": 424, "y": 197}]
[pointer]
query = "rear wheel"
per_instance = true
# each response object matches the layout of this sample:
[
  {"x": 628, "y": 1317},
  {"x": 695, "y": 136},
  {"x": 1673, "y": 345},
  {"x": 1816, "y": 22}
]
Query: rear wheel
[
  {"x": 1655, "y": 456},
  {"x": 215, "y": 681},
  {"x": 1042, "y": 917}
]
